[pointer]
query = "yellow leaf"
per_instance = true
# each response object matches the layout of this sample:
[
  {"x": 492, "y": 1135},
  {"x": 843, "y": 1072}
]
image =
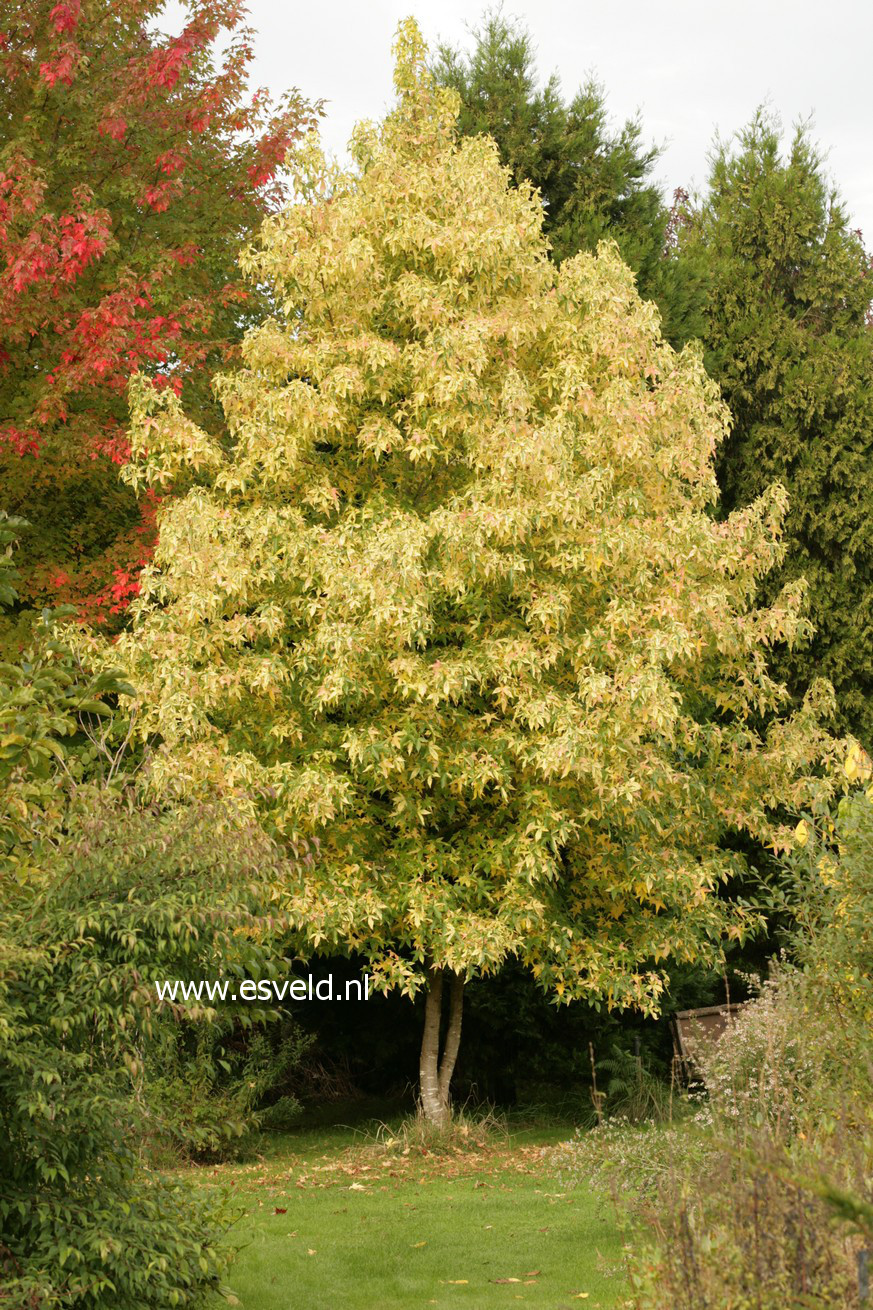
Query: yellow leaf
[{"x": 858, "y": 764}]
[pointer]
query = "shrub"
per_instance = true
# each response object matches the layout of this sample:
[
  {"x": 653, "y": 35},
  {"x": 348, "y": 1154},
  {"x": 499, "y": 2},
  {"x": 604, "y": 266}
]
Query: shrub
[
  {"x": 207, "y": 1098},
  {"x": 759, "y": 1197},
  {"x": 129, "y": 895},
  {"x": 628, "y": 1088}
]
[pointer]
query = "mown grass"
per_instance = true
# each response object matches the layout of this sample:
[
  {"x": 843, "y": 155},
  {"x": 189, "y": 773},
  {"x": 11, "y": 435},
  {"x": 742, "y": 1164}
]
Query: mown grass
[{"x": 335, "y": 1221}]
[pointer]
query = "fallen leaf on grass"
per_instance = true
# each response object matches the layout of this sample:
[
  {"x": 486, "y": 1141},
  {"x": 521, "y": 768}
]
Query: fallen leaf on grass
[
  {"x": 280, "y": 1209},
  {"x": 506, "y": 1280},
  {"x": 311, "y": 1252},
  {"x": 533, "y": 1273},
  {"x": 419, "y": 1243},
  {"x": 454, "y": 1282}
]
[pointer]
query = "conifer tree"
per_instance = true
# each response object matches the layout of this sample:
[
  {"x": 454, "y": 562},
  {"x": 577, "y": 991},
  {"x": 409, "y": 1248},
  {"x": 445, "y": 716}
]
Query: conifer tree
[
  {"x": 787, "y": 330},
  {"x": 595, "y": 182}
]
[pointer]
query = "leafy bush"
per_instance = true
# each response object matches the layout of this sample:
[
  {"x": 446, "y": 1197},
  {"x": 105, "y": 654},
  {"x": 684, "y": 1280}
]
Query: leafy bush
[
  {"x": 10, "y": 578},
  {"x": 51, "y": 707},
  {"x": 760, "y": 1195},
  {"x": 206, "y": 1101},
  {"x": 752, "y": 1226},
  {"x": 129, "y": 895},
  {"x": 733, "y": 1192}
]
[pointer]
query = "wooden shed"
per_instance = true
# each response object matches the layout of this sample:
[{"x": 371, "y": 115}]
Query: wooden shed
[{"x": 703, "y": 1027}]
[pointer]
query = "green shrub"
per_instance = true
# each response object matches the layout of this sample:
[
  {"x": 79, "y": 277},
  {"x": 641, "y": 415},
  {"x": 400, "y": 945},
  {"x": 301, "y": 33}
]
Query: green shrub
[
  {"x": 129, "y": 895},
  {"x": 760, "y": 1197},
  {"x": 57, "y": 729},
  {"x": 628, "y": 1088},
  {"x": 207, "y": 1101}
]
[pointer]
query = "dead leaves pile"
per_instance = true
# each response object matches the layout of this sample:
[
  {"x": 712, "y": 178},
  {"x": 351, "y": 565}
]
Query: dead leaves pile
[{"x": 366, "y": 1168}]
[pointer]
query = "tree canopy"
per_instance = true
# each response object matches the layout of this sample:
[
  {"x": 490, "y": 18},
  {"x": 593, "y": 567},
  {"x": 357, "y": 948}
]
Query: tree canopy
[
  {"x": 132, "y": 165},
  {"x": 785, "y": 322},
  {"x": 453, "y": 608},
  {"x": 595, "y": 181}
]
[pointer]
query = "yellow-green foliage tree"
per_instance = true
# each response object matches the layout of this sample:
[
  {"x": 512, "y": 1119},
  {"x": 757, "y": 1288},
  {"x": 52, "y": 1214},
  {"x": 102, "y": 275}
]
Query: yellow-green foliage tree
[{"x": 453, "y": 608}]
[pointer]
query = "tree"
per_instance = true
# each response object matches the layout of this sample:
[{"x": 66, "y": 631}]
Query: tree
[
  {"x": 131, "y": 165},
  {"x": 595, "y": 183},
  {"x": 453, "y": 605},
  {"x": 787, "y": 332},
  {"x": 127, "y": 894}
]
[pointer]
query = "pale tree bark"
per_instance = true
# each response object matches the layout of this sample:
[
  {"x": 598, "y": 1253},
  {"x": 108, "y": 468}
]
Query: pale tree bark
[
  {"x": 432, "y": 1106},
  {"x": 435, "y": 1069},
  {"x": 453, "y": 1035}
]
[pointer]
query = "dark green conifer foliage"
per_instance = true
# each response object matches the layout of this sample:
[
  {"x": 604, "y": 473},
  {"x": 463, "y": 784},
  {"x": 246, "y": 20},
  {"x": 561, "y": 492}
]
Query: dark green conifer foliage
[
  {"x": 786, "y": 325},
  {"x": 595, "y": 182}
]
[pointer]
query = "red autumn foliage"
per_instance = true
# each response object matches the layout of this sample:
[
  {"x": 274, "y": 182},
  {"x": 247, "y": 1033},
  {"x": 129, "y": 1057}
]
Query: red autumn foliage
[{"x": 132, "y": 165}]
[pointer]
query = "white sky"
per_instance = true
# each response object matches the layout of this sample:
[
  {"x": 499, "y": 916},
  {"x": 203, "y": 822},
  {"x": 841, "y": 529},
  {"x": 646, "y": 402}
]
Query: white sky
[{"x": 689, "y": 66}]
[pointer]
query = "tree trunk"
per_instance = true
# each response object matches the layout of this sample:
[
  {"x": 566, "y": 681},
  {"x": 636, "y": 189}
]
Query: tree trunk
[
  {"x": 453, "y": 1035},
  {"x": 432, "y": 1106},
  {"x": 435, "y": 1071}
]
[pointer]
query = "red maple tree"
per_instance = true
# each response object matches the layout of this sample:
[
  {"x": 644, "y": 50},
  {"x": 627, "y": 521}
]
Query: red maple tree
[{"x": 133, "y": 164}]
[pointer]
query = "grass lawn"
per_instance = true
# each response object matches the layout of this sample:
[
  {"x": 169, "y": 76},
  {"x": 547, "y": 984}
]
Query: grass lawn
[{"x": 334, "y": 1224}]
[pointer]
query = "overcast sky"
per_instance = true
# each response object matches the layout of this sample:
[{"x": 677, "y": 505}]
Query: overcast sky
[{"x": 689, "y": 66}]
